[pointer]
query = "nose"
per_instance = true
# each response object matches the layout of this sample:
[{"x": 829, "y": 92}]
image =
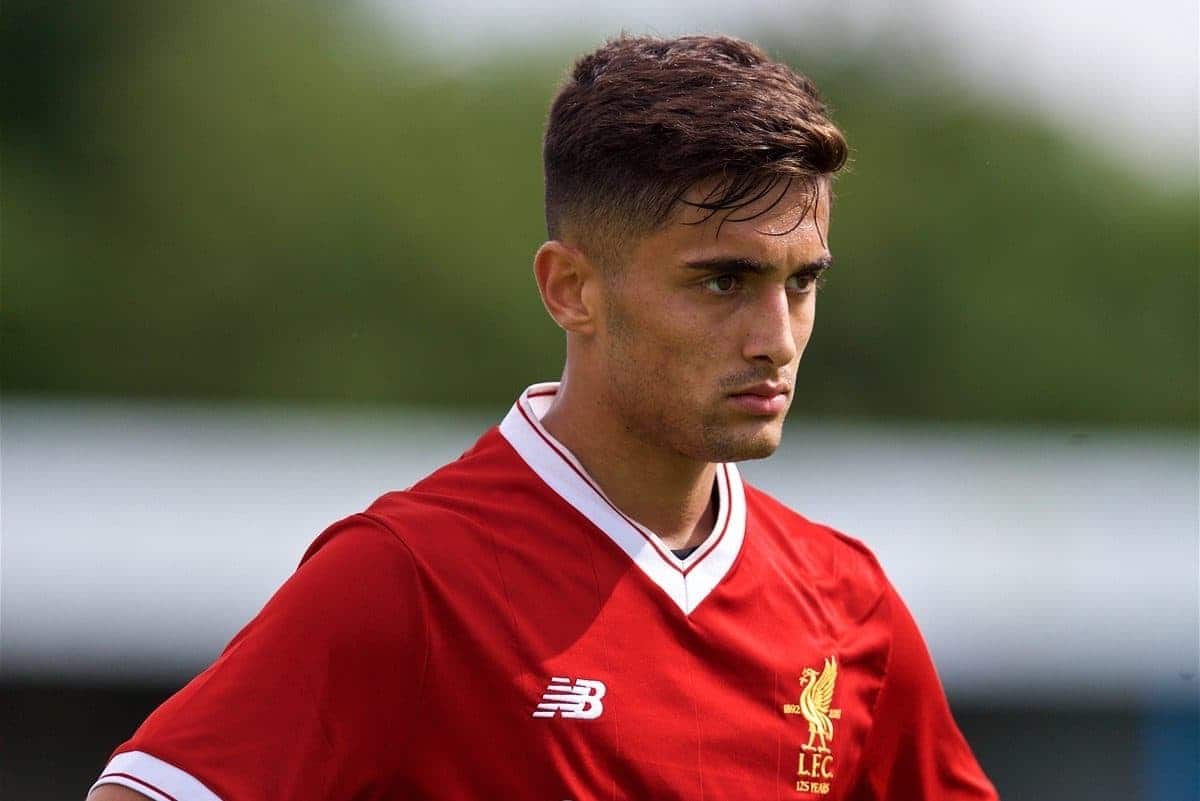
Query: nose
[{"x": 771, "y": 335}]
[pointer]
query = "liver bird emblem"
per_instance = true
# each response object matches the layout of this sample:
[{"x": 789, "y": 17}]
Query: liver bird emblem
[{"x": 815, "y": 700}]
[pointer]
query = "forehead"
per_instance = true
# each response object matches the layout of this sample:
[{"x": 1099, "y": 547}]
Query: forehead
[{"x": 783, "y": 227}]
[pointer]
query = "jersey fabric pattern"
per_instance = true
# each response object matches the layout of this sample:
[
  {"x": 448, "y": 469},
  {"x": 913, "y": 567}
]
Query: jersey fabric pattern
[{"x": 501, "y": 630}]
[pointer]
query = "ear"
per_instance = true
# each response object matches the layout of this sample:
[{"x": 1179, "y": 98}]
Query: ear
[{"x": 566, "y": 279}]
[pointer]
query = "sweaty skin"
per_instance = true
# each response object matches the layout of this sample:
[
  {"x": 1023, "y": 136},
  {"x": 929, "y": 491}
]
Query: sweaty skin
[{"x": 660, "y": 352}]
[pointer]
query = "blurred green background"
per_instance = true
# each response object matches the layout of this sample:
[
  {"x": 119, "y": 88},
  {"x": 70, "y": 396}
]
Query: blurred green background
[
  {"x": 255, "y": 201},
  {"x": 214, "y": 200}
]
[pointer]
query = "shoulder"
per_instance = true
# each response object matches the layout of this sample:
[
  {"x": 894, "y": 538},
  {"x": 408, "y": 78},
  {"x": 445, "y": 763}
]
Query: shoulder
[
  {"x": 451, "y": 511},
  {"x": 839, "y": 565},
  {"x": 356, "y": 584}
]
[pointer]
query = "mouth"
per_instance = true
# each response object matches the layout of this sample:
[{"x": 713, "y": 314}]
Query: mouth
[{"x": 767, "y": 399}]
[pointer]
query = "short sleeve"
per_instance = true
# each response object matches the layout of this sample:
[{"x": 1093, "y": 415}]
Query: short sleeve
[
  {"x": 915, "y": 750},
  {"x": 313, "y": 699}
]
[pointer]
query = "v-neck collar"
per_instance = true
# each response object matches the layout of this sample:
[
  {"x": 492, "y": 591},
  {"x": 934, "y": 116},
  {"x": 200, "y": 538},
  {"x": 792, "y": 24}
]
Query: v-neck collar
[{"x": 687, "y": 582}]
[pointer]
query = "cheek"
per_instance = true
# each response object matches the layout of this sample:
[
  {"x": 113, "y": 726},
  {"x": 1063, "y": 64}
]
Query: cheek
[
  {"x": 666, "y": 339},
  {"x": 638, "y": 351},
  {"x": 802, "y": 331},
  {"x": 803, "y": 320},
  {"x": 672, "y": 359},
  {"x": 660, "y": 368}
]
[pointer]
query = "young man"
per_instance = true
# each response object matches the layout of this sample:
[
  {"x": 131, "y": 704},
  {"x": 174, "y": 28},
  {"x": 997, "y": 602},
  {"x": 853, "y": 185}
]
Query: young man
[{"x": 590, "y": 604}]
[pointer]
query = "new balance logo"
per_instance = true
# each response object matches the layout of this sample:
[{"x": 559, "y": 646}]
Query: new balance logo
[{"x": 579, "y": 700}]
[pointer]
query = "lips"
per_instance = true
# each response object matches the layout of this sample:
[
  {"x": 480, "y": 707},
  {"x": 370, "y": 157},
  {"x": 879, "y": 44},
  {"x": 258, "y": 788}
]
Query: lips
[
  {"x": 765, "y": 399},
  {"x": 767, "y": 389}
]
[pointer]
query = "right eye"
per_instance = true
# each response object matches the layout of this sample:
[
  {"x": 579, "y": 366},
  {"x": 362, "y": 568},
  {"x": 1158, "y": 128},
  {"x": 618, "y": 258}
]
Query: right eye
[{"x": 721, "y": 284}]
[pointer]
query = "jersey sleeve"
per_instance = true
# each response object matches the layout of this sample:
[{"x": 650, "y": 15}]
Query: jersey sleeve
[
  {"x": 313, "y": 699},
  {"x": 915, "y": 750}
]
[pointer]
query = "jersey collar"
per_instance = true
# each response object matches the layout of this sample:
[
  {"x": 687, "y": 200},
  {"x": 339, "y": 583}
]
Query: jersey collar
[{"x": 687, "y": 582}]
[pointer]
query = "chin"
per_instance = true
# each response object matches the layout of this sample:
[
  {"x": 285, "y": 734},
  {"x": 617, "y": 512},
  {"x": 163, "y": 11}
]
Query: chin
[
  {"x": 759, "y": 449},
  {"x": 731, "y": 445}
]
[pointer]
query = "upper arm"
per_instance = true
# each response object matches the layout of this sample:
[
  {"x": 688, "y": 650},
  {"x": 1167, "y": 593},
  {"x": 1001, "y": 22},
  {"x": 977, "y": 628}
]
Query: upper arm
[{"x": 305, "y": 689}]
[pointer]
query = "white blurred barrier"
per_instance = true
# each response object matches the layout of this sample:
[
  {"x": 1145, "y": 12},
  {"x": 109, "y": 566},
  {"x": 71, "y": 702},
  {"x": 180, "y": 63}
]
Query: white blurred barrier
[{"x": 1048, "y": 565}]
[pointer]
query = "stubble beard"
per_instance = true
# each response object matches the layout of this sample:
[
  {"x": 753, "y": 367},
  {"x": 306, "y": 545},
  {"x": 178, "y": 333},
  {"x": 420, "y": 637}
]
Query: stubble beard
[
  {"x": 671, "y": 424},
  {"x": 706, "y": 435},
  {"x": 726, "y": 445}
]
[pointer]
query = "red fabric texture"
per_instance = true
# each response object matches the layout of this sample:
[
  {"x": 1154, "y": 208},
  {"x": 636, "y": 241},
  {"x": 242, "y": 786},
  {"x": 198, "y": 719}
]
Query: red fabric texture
[{"x": 405, "y": 657}]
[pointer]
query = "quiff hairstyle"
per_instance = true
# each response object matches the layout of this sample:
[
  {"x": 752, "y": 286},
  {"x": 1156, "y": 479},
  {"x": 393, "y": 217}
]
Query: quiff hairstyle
[{"x": 641, "y": 121}]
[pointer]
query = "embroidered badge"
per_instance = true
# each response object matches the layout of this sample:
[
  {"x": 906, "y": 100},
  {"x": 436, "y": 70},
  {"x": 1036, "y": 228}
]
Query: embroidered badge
[{"x": 815, "y": 769}]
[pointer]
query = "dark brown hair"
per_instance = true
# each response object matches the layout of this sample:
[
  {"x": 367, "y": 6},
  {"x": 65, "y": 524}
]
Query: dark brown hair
[{"x": 641, "y": 121}]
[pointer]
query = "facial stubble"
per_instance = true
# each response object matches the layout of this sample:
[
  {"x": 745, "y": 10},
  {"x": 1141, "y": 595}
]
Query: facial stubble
[{"x": 649, "y": 412}]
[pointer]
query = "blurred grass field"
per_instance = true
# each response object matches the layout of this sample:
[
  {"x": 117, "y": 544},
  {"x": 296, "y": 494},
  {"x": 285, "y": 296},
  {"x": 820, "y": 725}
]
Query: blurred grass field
[
  {"x": 292, "y": 208},
  {"x": 217, "y": 201}
]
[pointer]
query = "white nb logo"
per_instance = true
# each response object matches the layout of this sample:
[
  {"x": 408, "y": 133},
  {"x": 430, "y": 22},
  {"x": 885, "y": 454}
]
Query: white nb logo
[{"x": 579, "y": 700}]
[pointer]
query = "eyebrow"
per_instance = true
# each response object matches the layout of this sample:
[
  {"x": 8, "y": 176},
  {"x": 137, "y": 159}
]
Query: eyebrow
[{"x": 754, "y": 266}]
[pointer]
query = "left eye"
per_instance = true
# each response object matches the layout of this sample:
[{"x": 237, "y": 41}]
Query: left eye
[
  {"x": 801, "y": 283},
  {"x": 721, "y": 284}
]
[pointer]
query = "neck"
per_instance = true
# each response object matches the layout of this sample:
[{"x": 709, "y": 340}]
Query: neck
[{"x": 666, "y": 492}]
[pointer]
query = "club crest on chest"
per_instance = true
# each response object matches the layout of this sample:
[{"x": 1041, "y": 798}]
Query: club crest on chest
[{"x": 815, "y": 766}]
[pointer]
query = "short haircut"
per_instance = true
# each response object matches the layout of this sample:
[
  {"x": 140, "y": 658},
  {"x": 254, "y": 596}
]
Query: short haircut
[{"x": 641, "y": 121}]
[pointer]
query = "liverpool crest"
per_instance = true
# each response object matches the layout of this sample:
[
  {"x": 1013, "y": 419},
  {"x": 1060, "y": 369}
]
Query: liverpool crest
[{"x": 816, "y": 701}]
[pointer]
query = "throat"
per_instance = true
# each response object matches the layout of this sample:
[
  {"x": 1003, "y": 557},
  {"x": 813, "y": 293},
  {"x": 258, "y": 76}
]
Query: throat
[
  {"x": 684, "y": 553},
  {"x": 671, "y": 495},
  {"x": 683, "y": 543}
]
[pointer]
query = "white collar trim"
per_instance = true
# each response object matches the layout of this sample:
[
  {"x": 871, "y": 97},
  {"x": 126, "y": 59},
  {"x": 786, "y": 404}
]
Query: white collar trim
[{"x": 687, "y": 582}]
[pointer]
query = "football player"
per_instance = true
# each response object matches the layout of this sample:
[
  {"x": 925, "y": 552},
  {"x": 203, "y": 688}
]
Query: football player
[{"x": 590, "y": 603}]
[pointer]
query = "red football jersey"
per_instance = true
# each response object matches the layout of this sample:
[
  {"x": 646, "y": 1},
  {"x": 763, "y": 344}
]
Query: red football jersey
[{"x": 502, "y": 631}]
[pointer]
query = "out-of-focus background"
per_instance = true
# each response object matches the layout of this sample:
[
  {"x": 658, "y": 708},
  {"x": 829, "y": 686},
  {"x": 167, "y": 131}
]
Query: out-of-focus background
[{"x": 263, "y": 262}]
